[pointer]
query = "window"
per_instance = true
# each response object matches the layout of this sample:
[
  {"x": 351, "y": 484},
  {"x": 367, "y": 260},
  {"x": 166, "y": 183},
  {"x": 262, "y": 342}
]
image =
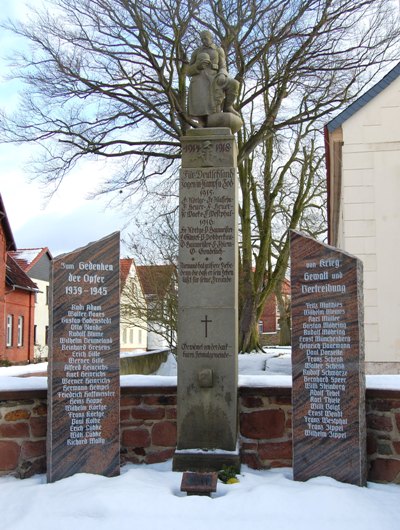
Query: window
[
  {"x": 124, "y": 335},
  {"x": 9, "y": 331},
  {"x": 260, "y": 326},
  {"x": 46, "y": 335},
  {"x": 140, "y": 336},
  {"x": 35, "y": 334},
  {"x": 47, "y": 295},
  {"x": 20, "y": 341},
  {"x": 131, "y": 336}
]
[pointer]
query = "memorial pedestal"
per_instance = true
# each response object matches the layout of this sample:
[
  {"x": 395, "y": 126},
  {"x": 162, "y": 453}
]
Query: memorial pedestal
[{"x": 208, "y": 306}]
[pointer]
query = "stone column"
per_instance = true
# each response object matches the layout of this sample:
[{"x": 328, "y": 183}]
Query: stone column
[{"x": 208, "y": 306}]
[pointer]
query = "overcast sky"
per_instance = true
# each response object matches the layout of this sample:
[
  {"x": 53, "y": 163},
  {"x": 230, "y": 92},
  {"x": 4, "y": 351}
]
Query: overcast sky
[{"x": 69, "y": 220}]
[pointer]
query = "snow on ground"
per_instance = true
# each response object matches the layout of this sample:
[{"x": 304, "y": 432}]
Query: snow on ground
[
  {"x": 149, "y": 497},
  {"x": 272, "y": 368}
]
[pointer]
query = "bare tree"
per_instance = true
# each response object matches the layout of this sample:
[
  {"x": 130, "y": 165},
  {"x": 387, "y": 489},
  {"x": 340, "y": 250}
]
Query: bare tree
[
  {"x": 106, "y": 79},
  {"x": 154, "y": 247}
]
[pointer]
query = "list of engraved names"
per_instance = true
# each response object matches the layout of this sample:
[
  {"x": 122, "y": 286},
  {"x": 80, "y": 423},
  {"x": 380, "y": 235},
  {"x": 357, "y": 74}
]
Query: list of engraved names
[
  {"x": 85, "y": 342},
  {"x": 324, "y": 339},
  {"x": 207, "y": 227}
]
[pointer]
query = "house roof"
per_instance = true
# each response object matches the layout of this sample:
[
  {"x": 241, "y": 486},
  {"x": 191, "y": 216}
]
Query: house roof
[
  {"x": 16, "y": 277},
  {"x": 364, "y": 99},
  {"x": 125, "y": 265},
  {"x": 10, "y": 242},
  {"x": 155, "y": 279},
  {"x": 28, "y": 257}
]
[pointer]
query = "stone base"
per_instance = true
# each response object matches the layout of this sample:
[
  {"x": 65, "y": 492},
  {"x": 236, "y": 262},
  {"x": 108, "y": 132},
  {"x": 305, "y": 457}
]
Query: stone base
[{"x": 205, "y": 461}]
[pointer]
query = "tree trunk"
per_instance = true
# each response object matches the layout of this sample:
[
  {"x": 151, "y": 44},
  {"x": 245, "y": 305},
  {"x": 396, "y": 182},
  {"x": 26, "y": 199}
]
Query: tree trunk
[
  {"x": 284, "y": 318},
  {"x": 249, "y": 339}
]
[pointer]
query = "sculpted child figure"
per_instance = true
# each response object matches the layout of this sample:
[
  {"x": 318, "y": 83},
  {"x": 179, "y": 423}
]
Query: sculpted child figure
[{"x": 211, "y": 89}]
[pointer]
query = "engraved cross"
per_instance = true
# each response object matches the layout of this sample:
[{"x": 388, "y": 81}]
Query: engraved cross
[{"x": 206, "y": 322}]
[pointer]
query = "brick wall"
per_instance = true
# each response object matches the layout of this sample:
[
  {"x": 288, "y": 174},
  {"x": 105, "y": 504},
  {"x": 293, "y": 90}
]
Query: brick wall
[
  {"x": 148, "y": 429},
  {"x": 23, "y": 429},
  {"x": 148, "y": 424}
]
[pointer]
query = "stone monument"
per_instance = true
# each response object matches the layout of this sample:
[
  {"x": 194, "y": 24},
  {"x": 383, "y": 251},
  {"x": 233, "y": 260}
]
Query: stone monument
[
  {"x": 83, "y": 388},
  {"x": 329, "y": 432},
  {"x": 208, "y": 270}
]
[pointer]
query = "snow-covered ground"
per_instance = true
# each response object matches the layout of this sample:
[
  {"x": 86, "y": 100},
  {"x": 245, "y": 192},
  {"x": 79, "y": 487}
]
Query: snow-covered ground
[
  {"x": 149, "y": 498},
  {"x": 271, "y": 368}
]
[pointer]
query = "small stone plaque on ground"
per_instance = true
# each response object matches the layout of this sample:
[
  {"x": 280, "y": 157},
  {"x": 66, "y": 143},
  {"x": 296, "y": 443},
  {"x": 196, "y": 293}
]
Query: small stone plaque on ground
[
  {"x": 199, "y": 483},
  {"x": 83, "y": 393},
  {"x": 329, "y": 433}
]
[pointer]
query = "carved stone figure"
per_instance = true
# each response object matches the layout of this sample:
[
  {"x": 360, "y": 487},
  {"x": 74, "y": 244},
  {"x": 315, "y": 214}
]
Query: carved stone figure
[{"x": 211, "y": 91}]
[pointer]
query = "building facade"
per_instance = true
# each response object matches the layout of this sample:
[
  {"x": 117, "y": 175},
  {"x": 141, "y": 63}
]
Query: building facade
[
  {"x": 17, "y": 301},
  {"x": 36, "y": 262},
  {"x": 133, "y": 332},
  {"x": 363, "y": 170}
]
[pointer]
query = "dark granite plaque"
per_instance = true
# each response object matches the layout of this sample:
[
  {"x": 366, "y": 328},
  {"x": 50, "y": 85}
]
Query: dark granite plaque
[
  {"x": 329, "y": 436},
  {"x": 199, "y": 483},
  {"x": 83, "y": 392}
]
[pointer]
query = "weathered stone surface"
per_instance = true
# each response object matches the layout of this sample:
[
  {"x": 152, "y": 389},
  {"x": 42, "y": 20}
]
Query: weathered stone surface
[
  {"x": 14, "y": 430},
  {"x": 252, "y": 460},
  {"x": 33, "y": 449},
  {"x": 149, "y": 413},
  {"x": 83, "y": 428},
  {"x": 396, "y": 447},
  {"x": 127, "y": 401},
  {"x": 379, "y": 423},
  {"x": 160, "y": 456},
  {"x": 136, "y": 438},
  {"x": 271, "y": 451},
  {"x": 9, "y": 455},
  {"x": 329, "y": 433},
  {"x": 17, "y": 415},
  {"x": 164, "y": 434},
  {"x": 207, "y": 320},
  {"x": 38, "y": 427},
  {"x": 385, "y": 470},
  {"x": 252, "y": 402},
  {"x": 263, "y": 424}
]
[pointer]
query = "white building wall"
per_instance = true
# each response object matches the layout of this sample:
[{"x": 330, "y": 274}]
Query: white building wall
[
  {"x": 370, "y": 218},
  {"x": 41, "y": 319},
  {"x": 133, "y": 337}
]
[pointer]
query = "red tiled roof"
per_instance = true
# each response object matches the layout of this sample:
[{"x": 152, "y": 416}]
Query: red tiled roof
[
  {"x": 124, "y": 268},
  {"x": 155, "y": 279},
  {"x": 16, "y": 277},
  {"x": 28, "y": 257},
  {"x": 10, "y": 242}
]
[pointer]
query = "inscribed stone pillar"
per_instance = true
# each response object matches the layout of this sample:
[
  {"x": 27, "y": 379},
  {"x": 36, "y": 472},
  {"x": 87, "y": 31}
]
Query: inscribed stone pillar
[
  {"x": 83, "y": 389},
  {"x": 208, "y": 307},
  {"x": 329, "y": 433}
]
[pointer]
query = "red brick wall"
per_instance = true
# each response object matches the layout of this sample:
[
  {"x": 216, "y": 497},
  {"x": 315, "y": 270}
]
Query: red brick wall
[
  {"x": 148, "y": 424},
  {"x": 23, "y": 433},
  {"x": 148, "y": 429},
  {"x": 20, "y": 303},
  {"x": 2, "y": 290},
  {"x": 268, "y": 316}
]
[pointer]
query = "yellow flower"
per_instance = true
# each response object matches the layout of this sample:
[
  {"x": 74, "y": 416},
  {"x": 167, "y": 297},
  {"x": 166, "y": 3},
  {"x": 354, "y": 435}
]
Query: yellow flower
[{"x": 232, "y": 480}]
